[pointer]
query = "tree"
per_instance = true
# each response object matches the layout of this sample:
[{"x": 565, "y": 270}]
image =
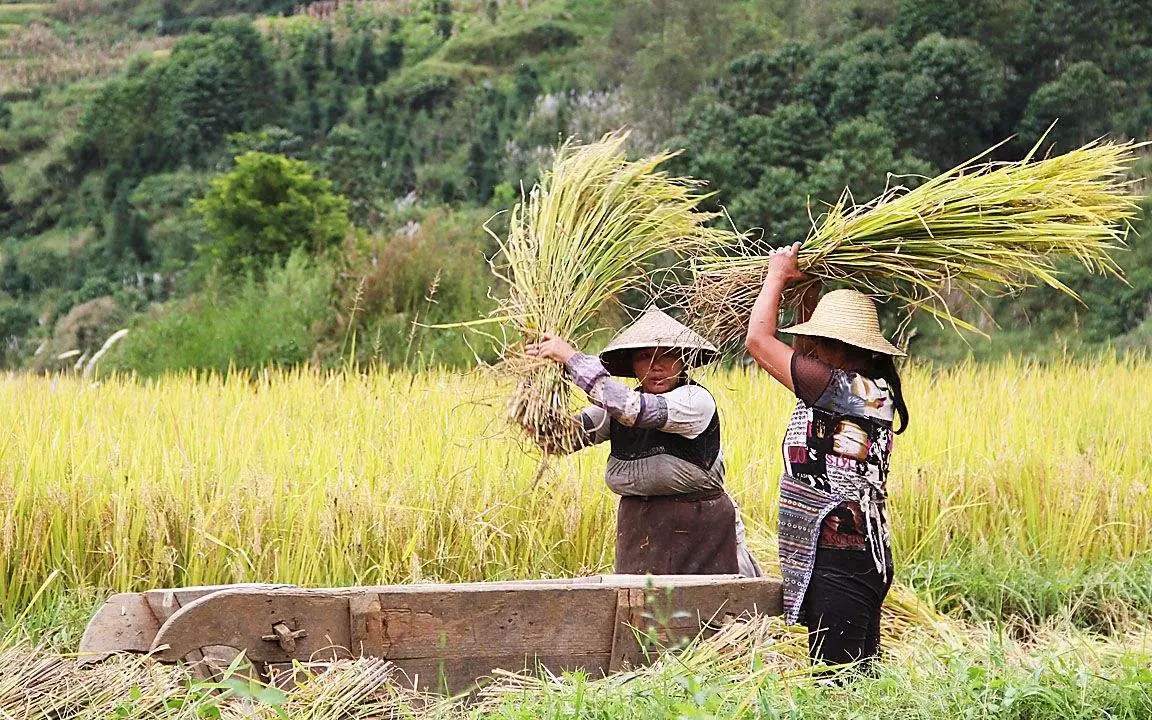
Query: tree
[
  {"x": 126, "y": 234},
  {"x": 328, "y": 45},
  {"x": 793, "y": 136},
  {"x": 267, "y": 206},
  {"x": 309, "y": 67},
  {"x": 980, "y": 20},
  {"x": 862, "y": 155},
  {"x": 219, "y": 83},
  {"x": 366, "y": 59},
  {"x": 315, "y": 118},
  {"x": 482, "y": 166},
  {"x": 777, "y": 205},
  {"x": 948, "y": 105},
  {"x": 443, "y": 9},
  {"x": 1080, "y": 100},
  {"x": 393, "y": 56},
  {"x": 5, "y": 114},
  {"x": 6, "y": 207},
  {"x": 756, "y": 83},
  {"x": 176, "y": 110},
  {"x": 171, "y": 13},
  {"x": 856, "y": 84},
  {"x": 338, "y": 107},
  {"x": 526, "y": 86}
]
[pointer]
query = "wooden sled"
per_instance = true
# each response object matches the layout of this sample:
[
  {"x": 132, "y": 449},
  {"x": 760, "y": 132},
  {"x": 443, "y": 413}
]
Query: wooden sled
[{"x": 443, "y": 637}]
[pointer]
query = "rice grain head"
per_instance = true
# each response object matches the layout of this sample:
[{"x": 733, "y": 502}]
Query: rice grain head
[
  {"x": 980, "y": 228},
  {"x": 589, "y": 230}
]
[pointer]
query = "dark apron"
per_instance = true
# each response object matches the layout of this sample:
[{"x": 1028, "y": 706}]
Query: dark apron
[{"x": 693, "y": 534}]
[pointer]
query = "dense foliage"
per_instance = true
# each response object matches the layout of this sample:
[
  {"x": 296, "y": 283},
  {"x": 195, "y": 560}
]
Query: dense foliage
[{"x": 246, "y": 136}]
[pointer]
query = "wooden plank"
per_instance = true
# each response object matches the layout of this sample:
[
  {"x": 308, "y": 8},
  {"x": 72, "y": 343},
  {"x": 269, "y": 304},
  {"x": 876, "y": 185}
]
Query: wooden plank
[
  {"x": 452, "y": 634},
  {"x": 128, "y": 622},
  {"x": 677, "y": 615},
  {"x": 242, "y": 618},
  {"x": 558, "y": 620},
  {"x": 124, "y": 623},
  {"x": 626, "y": 650}
]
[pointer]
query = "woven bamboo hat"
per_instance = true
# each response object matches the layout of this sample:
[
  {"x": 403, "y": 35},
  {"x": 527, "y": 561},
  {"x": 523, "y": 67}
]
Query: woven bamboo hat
[
  {"x": 655, "y": 329},
  {"x": 848, "y": 316}
]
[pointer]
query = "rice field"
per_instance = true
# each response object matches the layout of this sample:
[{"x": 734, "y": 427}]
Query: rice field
[
  {"x": 336, "y": 479},
  {"x": 1016, "y": 483}
]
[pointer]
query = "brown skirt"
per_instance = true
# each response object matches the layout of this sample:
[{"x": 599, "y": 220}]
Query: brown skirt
[{"x": 676, "y": 535}]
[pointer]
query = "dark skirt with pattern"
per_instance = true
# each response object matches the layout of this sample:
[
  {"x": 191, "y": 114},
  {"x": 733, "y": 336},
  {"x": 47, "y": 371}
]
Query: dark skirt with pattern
[{"x": 676, "y": 535}]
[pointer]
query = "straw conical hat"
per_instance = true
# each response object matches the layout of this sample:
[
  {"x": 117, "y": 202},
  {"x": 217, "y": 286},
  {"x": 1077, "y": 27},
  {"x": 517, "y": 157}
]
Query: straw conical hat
[
  {"x": 848, "y": 316},
  {"x": 655, "y": 329}
]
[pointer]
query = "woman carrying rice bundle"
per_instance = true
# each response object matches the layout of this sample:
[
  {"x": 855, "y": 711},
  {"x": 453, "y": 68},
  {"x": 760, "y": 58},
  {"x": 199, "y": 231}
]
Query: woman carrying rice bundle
[
  {"x": 666, "y": 461},
  {"x": 835, "y": 556}
]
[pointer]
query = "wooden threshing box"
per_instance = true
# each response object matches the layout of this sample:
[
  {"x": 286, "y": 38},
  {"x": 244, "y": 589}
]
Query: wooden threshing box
[{"x": 444, "y": 637}]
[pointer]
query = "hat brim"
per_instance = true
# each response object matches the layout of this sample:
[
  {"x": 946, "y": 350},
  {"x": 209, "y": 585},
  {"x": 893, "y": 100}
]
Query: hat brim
[
  {"x": 875, "y": 343},
  {"x": 618, "y": 361}
]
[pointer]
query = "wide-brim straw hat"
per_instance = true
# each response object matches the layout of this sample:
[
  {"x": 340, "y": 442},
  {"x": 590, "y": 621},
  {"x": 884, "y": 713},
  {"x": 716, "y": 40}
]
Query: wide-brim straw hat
[
  {"x": 656, "y": 329},
  {"x": 850, "y": 317}
]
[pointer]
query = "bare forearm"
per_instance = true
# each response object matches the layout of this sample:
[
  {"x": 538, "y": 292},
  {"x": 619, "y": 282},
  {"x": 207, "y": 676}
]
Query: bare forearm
[
  {"x": 763, "y": 321},
  {"x": 769, "y": 352}
]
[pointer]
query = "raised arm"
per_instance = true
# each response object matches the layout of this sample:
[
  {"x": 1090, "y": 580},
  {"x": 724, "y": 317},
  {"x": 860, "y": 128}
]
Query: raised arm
[
  {"x": 770, "y": 352},
  {"x": 684, "y": 413}
]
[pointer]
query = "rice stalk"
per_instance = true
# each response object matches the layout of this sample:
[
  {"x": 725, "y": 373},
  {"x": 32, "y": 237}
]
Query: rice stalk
[
  {"x": 587, "y": 231},
  {"x": 35, "y": 684},
  {"x": 978, "y": 229}
]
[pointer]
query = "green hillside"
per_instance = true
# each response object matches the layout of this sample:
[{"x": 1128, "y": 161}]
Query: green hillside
[{"x": 300, "y": 183}]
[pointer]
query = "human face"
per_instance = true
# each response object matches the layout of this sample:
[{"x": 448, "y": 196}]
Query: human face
[
  {"x": 658, "y": 369},
  {"x": 840, "y": 355}
]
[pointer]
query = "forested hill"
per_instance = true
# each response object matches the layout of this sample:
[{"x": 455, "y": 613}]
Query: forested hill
[{"x": 268, "y": 182}]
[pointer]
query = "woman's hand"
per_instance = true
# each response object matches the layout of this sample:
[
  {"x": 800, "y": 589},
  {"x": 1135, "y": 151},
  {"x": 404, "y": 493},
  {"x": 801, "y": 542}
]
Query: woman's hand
[
  {"x": 783, "y": 265},
  {"x": 551, "y": 347}
]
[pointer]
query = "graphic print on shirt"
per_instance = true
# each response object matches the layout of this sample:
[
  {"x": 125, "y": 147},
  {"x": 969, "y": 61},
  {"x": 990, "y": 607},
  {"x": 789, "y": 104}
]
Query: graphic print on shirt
[{"x": 844, "y": 441}]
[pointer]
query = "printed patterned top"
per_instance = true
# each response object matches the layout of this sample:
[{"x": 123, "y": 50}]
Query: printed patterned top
[{"x": 836, "y": 456}]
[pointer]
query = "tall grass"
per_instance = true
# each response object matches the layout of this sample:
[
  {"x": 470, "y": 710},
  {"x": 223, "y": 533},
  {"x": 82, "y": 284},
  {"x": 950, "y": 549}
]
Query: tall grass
[
  {"x": 249, "y": 324},
  {"x": 335, "y": 479}
]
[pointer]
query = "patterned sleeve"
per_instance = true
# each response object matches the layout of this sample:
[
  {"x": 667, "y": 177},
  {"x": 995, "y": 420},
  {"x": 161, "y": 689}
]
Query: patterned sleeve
[
  {"x": 845, "y": 393},
  {"x": 678, "y": 411},
  {"x": 852, "y": 394},
  {"x": 810, "y": 378},
  {"x": 595, "y": 423}
]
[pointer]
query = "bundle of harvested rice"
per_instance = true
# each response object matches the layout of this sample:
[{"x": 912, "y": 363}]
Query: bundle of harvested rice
[
  {"x": 586, "y": 232},
  {"x": 979, "y": 228}
]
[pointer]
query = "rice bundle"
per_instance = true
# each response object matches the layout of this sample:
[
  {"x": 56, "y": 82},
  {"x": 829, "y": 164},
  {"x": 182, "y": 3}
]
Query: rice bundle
[
  {"x": 586, "y": 232},
  {"x": 977, "y": 228}
]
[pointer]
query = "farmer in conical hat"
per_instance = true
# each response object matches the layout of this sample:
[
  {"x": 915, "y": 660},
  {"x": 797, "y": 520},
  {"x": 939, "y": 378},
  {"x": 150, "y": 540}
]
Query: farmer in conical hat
[
  {"x": 835, "y": 554},
  {"x": 666, "y": 462}
]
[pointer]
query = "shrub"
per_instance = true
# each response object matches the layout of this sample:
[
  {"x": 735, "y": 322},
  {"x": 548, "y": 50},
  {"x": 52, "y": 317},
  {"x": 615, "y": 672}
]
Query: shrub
[
  {"x": 265, "y": 208},
  {"x": 15, "y": 320},
  {"x": 433, "y": 270},
  {"x": 85, "y": 327},
  {"x": 504, "y": 44},
  {"x": 430, "y": 84},
  {"x": 261, "y": 323}
]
